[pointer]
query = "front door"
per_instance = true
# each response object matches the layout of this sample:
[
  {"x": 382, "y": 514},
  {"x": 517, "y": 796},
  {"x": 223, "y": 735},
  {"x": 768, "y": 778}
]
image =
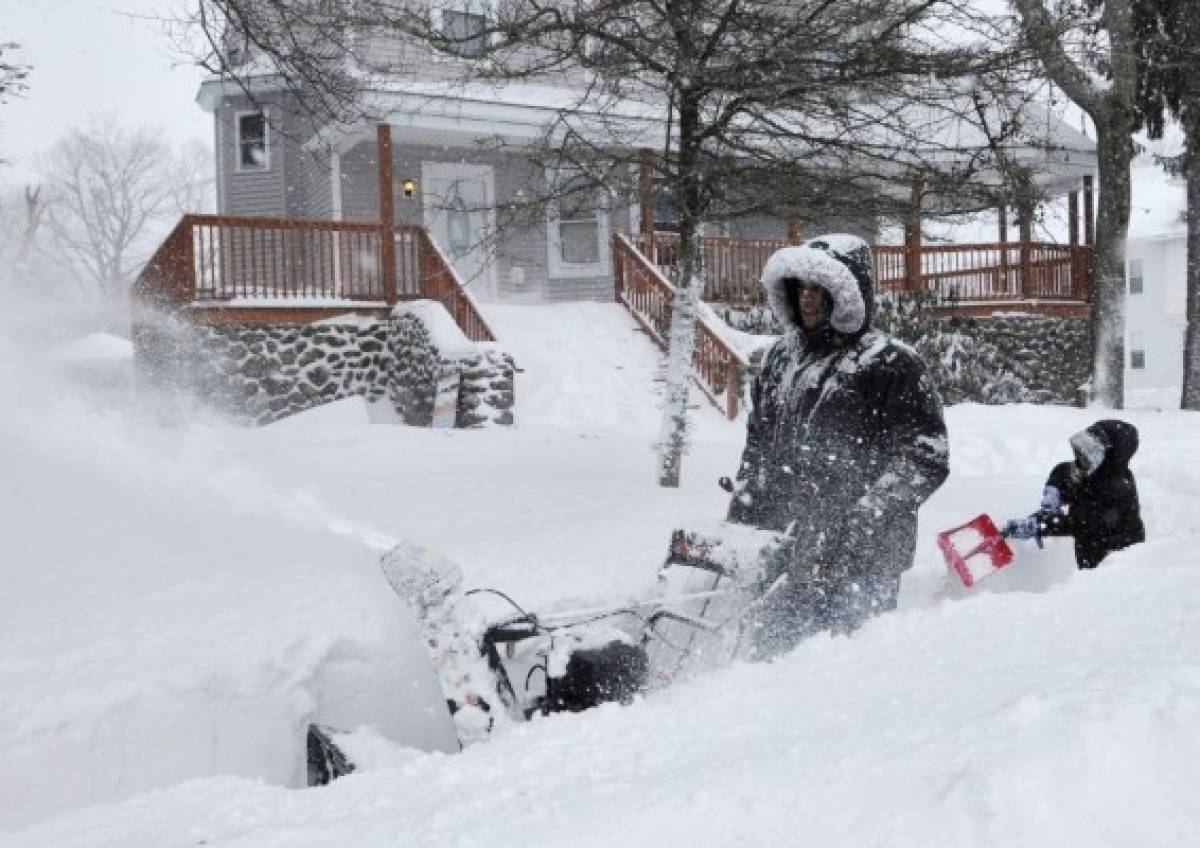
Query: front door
[{"x": 458, "y": 208}]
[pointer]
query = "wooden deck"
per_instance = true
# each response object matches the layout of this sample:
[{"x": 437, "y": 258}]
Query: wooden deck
[
  {"x": 221, "y": 269},
  {"x": 970, "y": 279}
]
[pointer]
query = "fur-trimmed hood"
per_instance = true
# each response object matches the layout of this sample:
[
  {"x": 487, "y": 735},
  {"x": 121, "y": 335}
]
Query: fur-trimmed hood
[{"x": 838, "y": 263}]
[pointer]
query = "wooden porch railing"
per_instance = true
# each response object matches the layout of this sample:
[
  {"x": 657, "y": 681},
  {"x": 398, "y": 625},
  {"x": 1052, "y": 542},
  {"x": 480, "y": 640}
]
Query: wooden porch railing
[
  {"x": 951, "y": 273},
  {"x": 989, "y": 272},
  {"x": 440, "y": 282},
  {"x": 275, "y": 262},
  {"x": 648, "y": 294},
  {"x": 732, "y": 266}
]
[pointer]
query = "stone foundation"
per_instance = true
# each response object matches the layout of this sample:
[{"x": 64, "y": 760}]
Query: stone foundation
[
  {"x": 1015, "y": 357},
  {"x": 259, "y": 374}
]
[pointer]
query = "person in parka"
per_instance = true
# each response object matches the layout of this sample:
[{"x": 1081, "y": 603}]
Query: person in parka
[
  {"x": 1094, "y": 499},
  {"x": 845, "y": 441}
]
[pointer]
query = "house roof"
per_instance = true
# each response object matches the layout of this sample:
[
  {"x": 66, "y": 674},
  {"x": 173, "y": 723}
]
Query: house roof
[
  {"x": 432, "y": 111},
  {"x": 1158, "y": 205}
]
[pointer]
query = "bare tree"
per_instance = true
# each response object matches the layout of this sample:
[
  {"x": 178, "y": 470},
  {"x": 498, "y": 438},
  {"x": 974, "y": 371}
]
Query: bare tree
[
  {"x": 12, "y": 74},
  {"x": 111, "y": 193},
  {"x": 20, "y": 221},
  {"x": 821, "y": 109},
  {"x": 1087, "y": 47}
]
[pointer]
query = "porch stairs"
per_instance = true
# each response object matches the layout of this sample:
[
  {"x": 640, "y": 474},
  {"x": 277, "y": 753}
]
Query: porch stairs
[
  {"x": 590, "y": 368},
  {"x": 718, "y": 367}
]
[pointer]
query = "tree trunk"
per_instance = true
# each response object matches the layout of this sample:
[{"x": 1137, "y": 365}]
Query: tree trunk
[
  {"x": 681, "y": 341},
  {"x": 1191, "y": 337},
  {"x": 1115, "y": 153}
]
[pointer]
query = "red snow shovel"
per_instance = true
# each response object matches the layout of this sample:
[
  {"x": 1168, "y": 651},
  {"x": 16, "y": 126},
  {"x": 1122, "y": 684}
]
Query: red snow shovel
[{"x": 974, "y": 550}]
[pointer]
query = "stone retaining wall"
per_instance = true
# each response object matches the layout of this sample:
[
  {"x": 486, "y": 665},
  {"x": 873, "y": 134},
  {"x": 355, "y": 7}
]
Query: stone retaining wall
[
  {"x": 1049, "y": 357},
  {"x": 259, "y": 374}
]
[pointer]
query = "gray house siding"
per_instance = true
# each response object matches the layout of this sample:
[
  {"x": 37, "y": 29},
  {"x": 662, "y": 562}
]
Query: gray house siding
[
  {"x": 520, "y": 256},
  {"x": 281, "y": 189},
  {"x": 257, "y": 192},
  {"x": 315, "y": 172}
]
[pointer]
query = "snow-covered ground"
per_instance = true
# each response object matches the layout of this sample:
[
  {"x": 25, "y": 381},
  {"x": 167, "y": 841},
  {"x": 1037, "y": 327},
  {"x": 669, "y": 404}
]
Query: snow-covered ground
[{"x": 179, "y": 599}]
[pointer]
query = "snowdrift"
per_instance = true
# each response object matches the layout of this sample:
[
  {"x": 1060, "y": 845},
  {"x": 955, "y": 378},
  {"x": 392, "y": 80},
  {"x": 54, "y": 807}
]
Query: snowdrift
[{"x": 180, "y": 599}]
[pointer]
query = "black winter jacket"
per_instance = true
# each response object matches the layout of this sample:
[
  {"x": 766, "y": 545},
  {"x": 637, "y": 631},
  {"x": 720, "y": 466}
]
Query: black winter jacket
[
  {"x": 845, "y": 441},
  {"x": 1100, "y": 509}
]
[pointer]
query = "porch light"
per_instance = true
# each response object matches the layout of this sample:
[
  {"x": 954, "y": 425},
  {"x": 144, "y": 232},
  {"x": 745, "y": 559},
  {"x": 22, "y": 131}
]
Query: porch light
[{"x": 410, "y": 186}]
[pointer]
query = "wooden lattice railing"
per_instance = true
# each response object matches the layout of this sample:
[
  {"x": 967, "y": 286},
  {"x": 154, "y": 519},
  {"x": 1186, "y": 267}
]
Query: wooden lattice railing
[
  {"x": 277, "y": 263},
  {"x": 640, "y": 285}
]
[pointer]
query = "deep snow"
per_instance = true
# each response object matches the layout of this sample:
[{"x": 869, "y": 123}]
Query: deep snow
[{"x": 179, "y": 598}]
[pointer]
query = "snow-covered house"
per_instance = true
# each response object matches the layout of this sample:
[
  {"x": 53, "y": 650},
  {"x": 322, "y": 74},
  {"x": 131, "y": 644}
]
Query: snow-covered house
[
  {"x": 418, "y": 201},
  {"x": 461, "y": 161},
  {"x": 1156, "y": 285}
]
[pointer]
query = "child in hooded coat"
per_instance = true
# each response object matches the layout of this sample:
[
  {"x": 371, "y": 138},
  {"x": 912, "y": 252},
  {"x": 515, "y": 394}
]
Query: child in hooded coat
[{"x": 1094, "y": 499}]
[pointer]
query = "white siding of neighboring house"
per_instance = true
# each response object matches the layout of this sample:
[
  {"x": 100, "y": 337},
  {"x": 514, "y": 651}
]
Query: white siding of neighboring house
[
  {"x": 1154, "y": 322},
  {"x": 1154, "y": 319}
]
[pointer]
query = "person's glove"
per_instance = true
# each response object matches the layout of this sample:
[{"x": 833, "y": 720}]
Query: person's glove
[{"x": 1022, "y": 528}]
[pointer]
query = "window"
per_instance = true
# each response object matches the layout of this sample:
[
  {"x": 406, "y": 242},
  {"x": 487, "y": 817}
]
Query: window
[
  {"x": 253, "y": 151},
  {"x": 579, "y": 238},
  {"x": 666, "y": 209},
  {"x": 1137, "y": 352},
  {"x": 1135, "y": 276},
  {"x": 578, "y": 234},
  {"x": 465, "y": 30}
]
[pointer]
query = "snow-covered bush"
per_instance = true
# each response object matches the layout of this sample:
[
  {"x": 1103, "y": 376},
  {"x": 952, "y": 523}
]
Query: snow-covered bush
[{"x": 965, "y": 366}]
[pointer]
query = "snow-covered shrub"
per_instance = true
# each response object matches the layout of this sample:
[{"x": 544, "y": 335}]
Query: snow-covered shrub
[
  {"x": 965, "y": 366},
  {"x": 416, "y": 370}
]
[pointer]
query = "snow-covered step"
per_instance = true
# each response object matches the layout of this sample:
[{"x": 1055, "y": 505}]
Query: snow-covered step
[{"x": 589, "y": 367}]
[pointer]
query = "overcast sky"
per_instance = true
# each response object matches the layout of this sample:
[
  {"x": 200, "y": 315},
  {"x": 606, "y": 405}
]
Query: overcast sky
[{"x": 89, "y": 57}]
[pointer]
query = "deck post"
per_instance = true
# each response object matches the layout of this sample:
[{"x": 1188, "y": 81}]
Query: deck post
[
  {"x": 1025, "y": 211},
  {"x": 387, "y": 213},
  {"x": 794, "y": 235},
  {"x": 1078, "y": 272},
  {"x": 1073, "y": 219},
  {"x": 646, "y": 192},
  {"x": 1002, "y": 226},
  {"x": 732, "y": 384},
  {"x": 1089, "y": 224},
  {"x": 912, "y": 237}
]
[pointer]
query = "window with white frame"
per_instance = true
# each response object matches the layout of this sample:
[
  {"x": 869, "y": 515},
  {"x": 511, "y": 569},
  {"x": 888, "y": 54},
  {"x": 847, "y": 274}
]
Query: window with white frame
[
  {"x": 253, "y": 149},
  {"x": 1137, "y": 351},
  {"x": 1135, "y": 276},
  {"x": 465, "y": 29},
  {"x": 577, "y": 236}
]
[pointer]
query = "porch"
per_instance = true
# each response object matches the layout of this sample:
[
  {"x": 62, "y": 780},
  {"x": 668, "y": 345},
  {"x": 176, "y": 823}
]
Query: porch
[
  {"x": 216, "y": 269},
  {"x": 959, "y": 279}
]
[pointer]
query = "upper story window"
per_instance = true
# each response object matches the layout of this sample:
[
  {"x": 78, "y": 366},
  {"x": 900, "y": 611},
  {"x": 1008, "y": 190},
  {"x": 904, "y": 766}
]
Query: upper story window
[
  {"x": 1136, "y": 283},
  {"x": 253, "y": 150},
  {"x": 465, "y": 30}
]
